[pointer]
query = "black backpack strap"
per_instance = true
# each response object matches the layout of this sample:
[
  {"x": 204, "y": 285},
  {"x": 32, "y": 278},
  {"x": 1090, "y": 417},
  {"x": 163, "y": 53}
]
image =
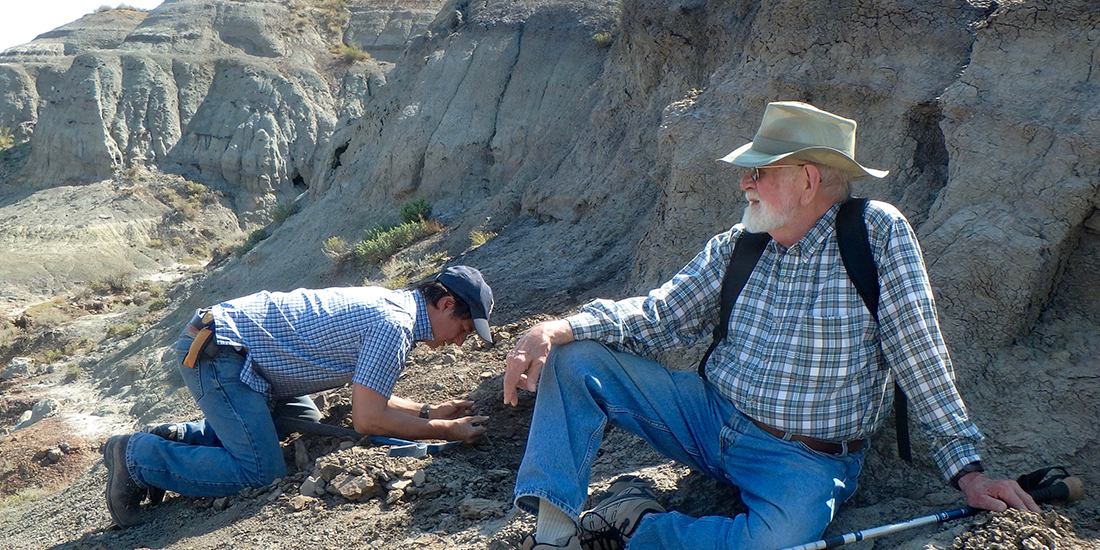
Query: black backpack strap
[
  {"x": 855, "y": 252},
  {"x": 859, "y": 261},
  {"x": 746, "y": 252}
]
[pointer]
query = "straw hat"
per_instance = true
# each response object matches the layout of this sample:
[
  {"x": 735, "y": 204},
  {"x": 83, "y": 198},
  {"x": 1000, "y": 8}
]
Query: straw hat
[{"x": 795, "y": 129}]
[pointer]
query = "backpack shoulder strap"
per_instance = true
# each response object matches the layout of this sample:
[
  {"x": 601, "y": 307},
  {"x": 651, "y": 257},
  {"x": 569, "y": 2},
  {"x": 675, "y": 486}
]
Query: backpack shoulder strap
[
  {"x": 855, "y": 252},
  {"x": 746, "y": 253},
  {"x": 859, "y": 262}
]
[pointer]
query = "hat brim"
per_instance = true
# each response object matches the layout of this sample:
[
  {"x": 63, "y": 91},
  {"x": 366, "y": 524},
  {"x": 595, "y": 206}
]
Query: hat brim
[
  {"x": 746, "y": 157},
  {"x": 482, "y": 327}
]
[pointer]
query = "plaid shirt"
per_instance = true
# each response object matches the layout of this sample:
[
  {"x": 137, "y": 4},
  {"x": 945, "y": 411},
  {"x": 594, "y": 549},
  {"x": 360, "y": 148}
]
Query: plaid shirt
[
  {"x": 803, "y": 354},
  {"x": 306, "y": 341}
]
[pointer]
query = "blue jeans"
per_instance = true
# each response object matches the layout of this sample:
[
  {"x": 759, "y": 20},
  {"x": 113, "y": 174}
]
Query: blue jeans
[
  {"x": 235, "y": 447},
  {"x": 790, "y": 490}
]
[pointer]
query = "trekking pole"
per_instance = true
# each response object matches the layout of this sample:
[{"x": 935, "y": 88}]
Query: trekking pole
[{"x": 1069, "y": 489}]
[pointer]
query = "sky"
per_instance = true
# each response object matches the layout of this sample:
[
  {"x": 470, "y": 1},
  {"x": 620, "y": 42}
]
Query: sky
[{"x": 22, "y": 20}]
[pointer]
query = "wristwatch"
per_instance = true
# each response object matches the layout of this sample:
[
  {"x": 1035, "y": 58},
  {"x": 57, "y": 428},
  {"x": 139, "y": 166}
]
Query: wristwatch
[
  {"x": 425, "y": 410},
  {"x": 972, "y": 467}
]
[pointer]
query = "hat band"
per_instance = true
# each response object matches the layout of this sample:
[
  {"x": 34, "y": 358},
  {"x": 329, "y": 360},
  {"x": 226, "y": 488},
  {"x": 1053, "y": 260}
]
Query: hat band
[{"x": 771, "y": 146}]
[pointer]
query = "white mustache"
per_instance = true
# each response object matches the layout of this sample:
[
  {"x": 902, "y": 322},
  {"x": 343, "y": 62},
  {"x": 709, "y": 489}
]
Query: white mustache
[{"x": 752, "y": 196}]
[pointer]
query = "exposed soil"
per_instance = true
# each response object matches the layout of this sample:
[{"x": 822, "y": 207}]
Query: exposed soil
[{"x": 461, "y": 498}]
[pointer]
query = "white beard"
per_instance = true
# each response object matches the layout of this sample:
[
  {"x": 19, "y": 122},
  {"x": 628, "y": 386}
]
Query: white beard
[{"x": 762, "y": 218}]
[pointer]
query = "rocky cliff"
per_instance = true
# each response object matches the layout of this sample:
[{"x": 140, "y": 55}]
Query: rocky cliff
[{"x": 584, "y": 134}]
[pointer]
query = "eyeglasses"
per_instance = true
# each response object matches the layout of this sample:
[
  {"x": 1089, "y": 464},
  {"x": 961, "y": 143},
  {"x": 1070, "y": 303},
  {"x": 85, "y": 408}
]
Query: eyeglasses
[{"x": 754, "y": 172}]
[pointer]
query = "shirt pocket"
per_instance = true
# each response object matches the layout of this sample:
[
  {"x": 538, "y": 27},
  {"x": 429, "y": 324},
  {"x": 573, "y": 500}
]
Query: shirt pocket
[{"x": 825, "y": 350}]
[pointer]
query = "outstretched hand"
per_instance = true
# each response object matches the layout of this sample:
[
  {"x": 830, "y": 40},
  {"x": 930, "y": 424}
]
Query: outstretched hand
[
  {"x": 995, "y": 494},
  {"x": 455, "y": 408},
  {"x": 466, "y": 429},
  {"x": 524, "y": 363}
]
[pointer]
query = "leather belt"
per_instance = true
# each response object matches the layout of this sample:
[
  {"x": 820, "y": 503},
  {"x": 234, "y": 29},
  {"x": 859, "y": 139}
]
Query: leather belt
[{"x": 821, "y": 446}]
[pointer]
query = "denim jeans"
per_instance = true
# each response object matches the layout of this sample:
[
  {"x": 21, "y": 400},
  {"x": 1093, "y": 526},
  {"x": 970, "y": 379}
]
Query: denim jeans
[
  {"x": 790, "y": 490},
  {"x": 235, "y": 447}
]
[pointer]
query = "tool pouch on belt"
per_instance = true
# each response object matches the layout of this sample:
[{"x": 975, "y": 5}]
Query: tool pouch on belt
[{"x": 202, "y": 331}]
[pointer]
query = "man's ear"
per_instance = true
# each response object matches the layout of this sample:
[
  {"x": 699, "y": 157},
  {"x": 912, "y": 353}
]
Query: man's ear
[
  {"x": 445, "y": 302},
  {"x": 812, "y": 188}
]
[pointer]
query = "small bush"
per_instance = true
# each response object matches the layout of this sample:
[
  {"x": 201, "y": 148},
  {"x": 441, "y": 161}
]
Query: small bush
[
  {"x": 478, "y": 238},
  {"x": 155, "y": 243},
  {"x": 73, "y": 373},
  {"x": 284, "y": 210},
  {"x": 602, "y": 39},
  {"x": 119, "y": 283},
  {"x": 417, "y": 210},
  {"x": 123, "y": 330},
  {"x": 336, "y": 248},
  {"x": 352, "y": 53},
  {"x": 254, "y": 239},
  {"x": 45, "y": 315},
  {"x": 380, "y": 243},
  {"x": 133, "y": 173},
  {"x": 52, "y": 355},
  {"x": 157, "y": 304},
  {"x": 7, "y": 139}
]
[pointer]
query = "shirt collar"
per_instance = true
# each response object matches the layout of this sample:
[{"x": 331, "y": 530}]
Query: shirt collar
[{"x": 422, "y": 328}]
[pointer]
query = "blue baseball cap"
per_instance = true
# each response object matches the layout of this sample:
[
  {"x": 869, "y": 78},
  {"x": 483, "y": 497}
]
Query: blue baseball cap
[{"x": 468, "y": 284}]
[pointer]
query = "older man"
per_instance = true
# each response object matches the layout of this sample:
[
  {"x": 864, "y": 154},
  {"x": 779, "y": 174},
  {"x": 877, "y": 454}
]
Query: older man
[
  {"x": 242, "y": 357},
  {"x": 790, "y": 394}
]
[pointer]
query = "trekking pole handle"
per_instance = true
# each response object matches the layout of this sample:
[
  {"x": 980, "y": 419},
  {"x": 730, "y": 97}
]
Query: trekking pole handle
[{"x": 1069, "y": 489}]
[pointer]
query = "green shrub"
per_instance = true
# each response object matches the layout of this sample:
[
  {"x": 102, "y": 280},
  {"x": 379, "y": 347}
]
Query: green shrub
[
  {"x": 478, "y": 238},
  {"x": 336, "y": 248},
  {"x": 602, "y": 39},
  {"x": 352, "y": 53},
  {"x": 380, "y": 243},
  {"x": 7, "y": 139},
  {"x": 417, "y": 210},
  {"x": 52, "y": 355},
  {"x": 284, "y": 210},
  {"x": 122, "y": 330},
  {"x": 73, "y": 373},
  {"x": 157, "y": 304},
  {"x": 254, "y": 239}
]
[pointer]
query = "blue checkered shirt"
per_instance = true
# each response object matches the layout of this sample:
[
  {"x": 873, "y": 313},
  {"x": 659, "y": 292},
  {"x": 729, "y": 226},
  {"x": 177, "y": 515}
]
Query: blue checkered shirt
[
  {"x": 306, "y": 341},
  {"x": 803, "y": 354}
]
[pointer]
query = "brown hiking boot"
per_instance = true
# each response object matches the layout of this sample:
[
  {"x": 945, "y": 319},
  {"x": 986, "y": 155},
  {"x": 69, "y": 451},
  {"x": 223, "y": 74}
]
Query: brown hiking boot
[
  {"x": 123, "y": 495},
  {"x": 610, "y": 524}
]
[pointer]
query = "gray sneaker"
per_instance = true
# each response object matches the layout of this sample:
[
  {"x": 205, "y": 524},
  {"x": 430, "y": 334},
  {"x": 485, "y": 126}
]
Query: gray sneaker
[
  {"x": 610, "y": 524},
  {"x": 529, "y": 544}
]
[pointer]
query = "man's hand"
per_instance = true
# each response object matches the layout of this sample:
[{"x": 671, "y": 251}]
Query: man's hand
[
  {"x": 468, "y": 428},
  {"x": 456, "y": 408},
  {"x": 996, "y": 495},
  {"x": 525, "y": 361}
]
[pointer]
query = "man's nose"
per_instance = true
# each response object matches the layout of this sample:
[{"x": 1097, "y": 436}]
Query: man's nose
[{"x": 747, "y": 182}]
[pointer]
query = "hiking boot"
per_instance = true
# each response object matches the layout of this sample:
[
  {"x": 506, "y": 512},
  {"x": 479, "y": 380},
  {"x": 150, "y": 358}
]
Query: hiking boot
[
  {"x": 529, "y": 544},
  {"x": 171, "y": 432},
  {"x": 610, "y": 524},
  {"x": 123, "y": 495}
]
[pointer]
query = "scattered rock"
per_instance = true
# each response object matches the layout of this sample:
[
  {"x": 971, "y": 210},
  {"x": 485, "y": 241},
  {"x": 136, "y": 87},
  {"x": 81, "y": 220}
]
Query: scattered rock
[
  {"x": 481, "y": 508},
  {"x": 313, "y": 486},
  {"x": 40, "y": 410},
  {"x": 221, "y": 503},
  {"x": 19, "y": 367},
  {"x": 356, "y": 488},
  {"x": 300, "y": 502}
]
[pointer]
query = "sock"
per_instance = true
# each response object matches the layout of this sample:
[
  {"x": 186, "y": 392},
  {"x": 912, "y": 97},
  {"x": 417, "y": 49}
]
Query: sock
[{"x": 554, "y": 526}]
